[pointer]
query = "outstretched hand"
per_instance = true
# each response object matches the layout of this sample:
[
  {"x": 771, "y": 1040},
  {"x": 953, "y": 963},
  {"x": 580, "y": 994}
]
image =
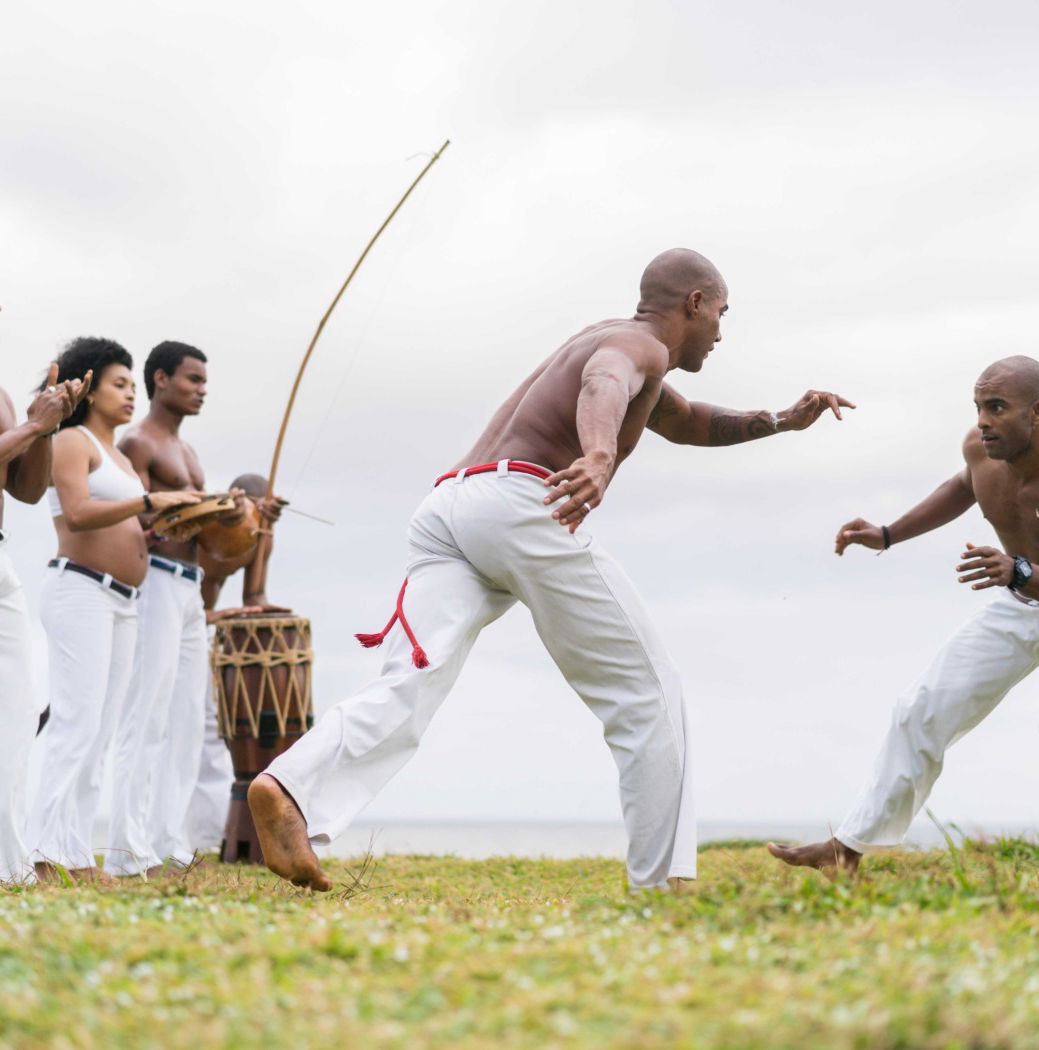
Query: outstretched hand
[
  {"x": 582, "y": 485},
  {"x": 803, "y": 413},
  {"x": 862, "y": 532}
]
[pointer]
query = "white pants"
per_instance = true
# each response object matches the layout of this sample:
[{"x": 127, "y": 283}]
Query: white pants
[
  {"x": 18, "y": 718},
  {"x": 989, "y": 655},
  {"x": 160, "y": 740},
  {"x": 207, "y": 810},
  {"x": 475, "y": 547},
  {"x": 91, "y": 632}
]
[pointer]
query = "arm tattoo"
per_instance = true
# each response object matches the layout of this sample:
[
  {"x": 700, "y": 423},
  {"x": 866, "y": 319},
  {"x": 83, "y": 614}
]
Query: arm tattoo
[
  {"x": 732, "y": 428},
  {"x": 665, "y": 408}
]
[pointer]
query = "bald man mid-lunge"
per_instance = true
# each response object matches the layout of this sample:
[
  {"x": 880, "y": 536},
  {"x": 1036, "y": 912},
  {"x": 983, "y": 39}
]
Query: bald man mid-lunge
[
  {"x": 486, "y": 537},
  {"x": 993, "y": 651}
]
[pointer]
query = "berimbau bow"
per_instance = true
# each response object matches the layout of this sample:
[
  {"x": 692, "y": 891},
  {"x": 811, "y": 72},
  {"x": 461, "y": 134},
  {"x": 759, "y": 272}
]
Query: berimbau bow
[{"x": 328, "y": 313}]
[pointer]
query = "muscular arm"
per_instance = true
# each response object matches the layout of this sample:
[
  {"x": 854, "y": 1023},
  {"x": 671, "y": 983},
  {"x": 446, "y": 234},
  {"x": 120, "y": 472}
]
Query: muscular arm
[
  {"x": 695, "y": 423},
  {"x": 611, "y": 378},
  {"x": 948, "y": 501},
  {"x": 26, "y": 452}
]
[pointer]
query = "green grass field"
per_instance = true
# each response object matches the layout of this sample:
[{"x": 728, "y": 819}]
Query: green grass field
[{"x": 925, "y": 950}]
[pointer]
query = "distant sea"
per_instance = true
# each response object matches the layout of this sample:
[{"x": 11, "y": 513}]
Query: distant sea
[{"x": 477, "y": 841}]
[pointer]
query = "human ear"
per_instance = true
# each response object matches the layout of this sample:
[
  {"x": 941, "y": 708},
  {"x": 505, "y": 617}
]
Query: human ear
[{"x": 693, "y": 301}]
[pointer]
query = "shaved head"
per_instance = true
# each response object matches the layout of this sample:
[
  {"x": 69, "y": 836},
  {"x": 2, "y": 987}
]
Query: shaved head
[
  {"x": 254, "y": 486},
  {"x": 1020, "y": 371},
  {"x": 672, "y": 275}
]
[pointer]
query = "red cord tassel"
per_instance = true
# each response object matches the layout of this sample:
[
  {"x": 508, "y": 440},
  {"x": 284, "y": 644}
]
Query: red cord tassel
[{"x": 373, "y": 641}]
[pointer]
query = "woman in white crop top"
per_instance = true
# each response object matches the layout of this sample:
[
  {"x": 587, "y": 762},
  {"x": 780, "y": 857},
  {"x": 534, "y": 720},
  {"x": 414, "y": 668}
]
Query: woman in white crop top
[{"x": 88, "y": 603}]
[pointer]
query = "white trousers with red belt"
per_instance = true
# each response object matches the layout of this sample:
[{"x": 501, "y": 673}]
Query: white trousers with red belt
[
  {"x": 979, "y": 665},
  {"x": 477, "y": 545},
  {"x": 18, "y": 716}
]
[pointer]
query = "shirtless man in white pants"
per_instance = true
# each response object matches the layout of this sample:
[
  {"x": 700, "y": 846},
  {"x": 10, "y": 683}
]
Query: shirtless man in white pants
[
  {"x": 25, "y": 469},
  {"x": 993, "y": 650},
  {"x": 487, "y": 536},
  {"x": 160, "y": 739}
]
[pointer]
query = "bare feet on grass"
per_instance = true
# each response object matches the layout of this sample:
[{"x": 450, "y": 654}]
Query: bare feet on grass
[
  {"x": 51, "y": 873},
  {"x": 829, "y": 857},
  {"x": 283, "y": 835}
]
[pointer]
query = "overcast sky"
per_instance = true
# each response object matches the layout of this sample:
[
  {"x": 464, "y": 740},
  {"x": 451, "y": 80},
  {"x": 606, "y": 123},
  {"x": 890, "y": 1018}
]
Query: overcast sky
[{"x": 865, "y": 178}]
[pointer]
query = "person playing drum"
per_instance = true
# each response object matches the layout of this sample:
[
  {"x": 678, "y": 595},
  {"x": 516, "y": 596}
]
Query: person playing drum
[
  {"x": 89, "y": 602},
  {"x": 223, "y": 551},
  {"x": 159, "y": 742}
]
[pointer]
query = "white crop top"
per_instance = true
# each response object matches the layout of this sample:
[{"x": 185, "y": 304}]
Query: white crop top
[{"x": 109, "y": 481}]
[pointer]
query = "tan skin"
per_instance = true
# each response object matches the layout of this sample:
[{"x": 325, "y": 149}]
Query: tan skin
[
  {"x": 25, "y": 449},
  {"x": 583, "y": 411},
  {"x": 219, "y": 570},
  {"x": 580, "y": 414},
  {"x": 102, "y": 534},
  {"x": 1001, "y": 475},
  {"x": 161, "y": 458}
]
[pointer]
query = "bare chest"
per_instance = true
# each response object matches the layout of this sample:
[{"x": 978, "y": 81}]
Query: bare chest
[
  {"x": 176, "y": 467},
  {"x": 1011, "y": 507}
]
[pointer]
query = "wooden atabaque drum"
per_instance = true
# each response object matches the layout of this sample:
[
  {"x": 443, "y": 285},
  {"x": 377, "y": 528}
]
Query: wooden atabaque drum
[{"x": 262, "y": 677}]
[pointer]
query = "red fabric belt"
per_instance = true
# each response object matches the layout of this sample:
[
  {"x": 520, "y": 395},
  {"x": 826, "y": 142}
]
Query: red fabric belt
[
  {"x": 515, "y": 466},
  {"x": 418, "y": 654}
]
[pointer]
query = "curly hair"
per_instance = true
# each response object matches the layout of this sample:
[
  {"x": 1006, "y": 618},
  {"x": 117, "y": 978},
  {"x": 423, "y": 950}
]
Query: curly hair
[
  {"x": 167, "y": 356},
  {"x": 85, "y": 354}
]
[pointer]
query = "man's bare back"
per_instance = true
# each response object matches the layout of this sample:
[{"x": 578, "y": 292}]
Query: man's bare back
[{"x": 538, "y": 423}]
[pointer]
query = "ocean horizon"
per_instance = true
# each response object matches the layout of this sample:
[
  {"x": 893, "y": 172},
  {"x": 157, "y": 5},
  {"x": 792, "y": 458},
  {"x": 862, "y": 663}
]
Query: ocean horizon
[{"x": 479, "y": 840}]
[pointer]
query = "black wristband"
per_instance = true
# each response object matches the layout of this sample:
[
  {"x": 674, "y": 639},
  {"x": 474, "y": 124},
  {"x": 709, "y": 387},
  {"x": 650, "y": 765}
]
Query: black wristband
[
  {"x": 148, "y": 508},
  {"x": 887, "y": 536}
]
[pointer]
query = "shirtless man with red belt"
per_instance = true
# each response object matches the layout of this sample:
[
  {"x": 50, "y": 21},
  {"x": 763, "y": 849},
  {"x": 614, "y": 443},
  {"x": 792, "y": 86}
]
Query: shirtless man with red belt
[{"x": 489, "y": 535}]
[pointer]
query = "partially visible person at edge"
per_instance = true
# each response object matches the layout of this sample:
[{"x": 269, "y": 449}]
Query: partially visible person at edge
[
  {"x": 89, "y": 603},
  {"x": 158, "y": 745},
  {"x": 992, "y": 651},
  {"x": 486, "y": 536},
  {"x": 208, "y": 806},
  {"x": 25, "y": 468}
]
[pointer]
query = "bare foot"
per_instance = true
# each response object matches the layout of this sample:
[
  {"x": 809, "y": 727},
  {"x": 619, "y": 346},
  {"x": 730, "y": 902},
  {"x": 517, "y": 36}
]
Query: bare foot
[
  {"x": 829, "y": 857},
  {"x": 283, "y": 835},
  {"x": 679, "y": 886},
  {"x": 93, "y": 875},
  {"x": 48, "y": 872}
]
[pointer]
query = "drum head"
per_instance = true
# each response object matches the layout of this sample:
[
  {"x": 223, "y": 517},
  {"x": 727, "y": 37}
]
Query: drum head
[{"x": 183, "y": 522}]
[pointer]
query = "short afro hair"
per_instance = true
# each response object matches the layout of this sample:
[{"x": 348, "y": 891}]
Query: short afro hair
[
  {"x": 85, "y": 354},
  {"x": 167, "y": 357}
]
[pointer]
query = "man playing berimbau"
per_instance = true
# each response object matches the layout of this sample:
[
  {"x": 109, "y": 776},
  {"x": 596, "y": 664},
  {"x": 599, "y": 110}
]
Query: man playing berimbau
[
  {"x": 993, "y": 651},
  {"x": 245, "y": 549},
  {"x": 485, "y": 538}
]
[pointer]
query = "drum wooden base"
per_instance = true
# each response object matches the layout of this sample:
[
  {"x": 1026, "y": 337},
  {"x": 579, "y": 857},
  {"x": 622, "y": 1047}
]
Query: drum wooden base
[
  {"x": 262, "y": 676},
  {"x": 241, "y": 844}
]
